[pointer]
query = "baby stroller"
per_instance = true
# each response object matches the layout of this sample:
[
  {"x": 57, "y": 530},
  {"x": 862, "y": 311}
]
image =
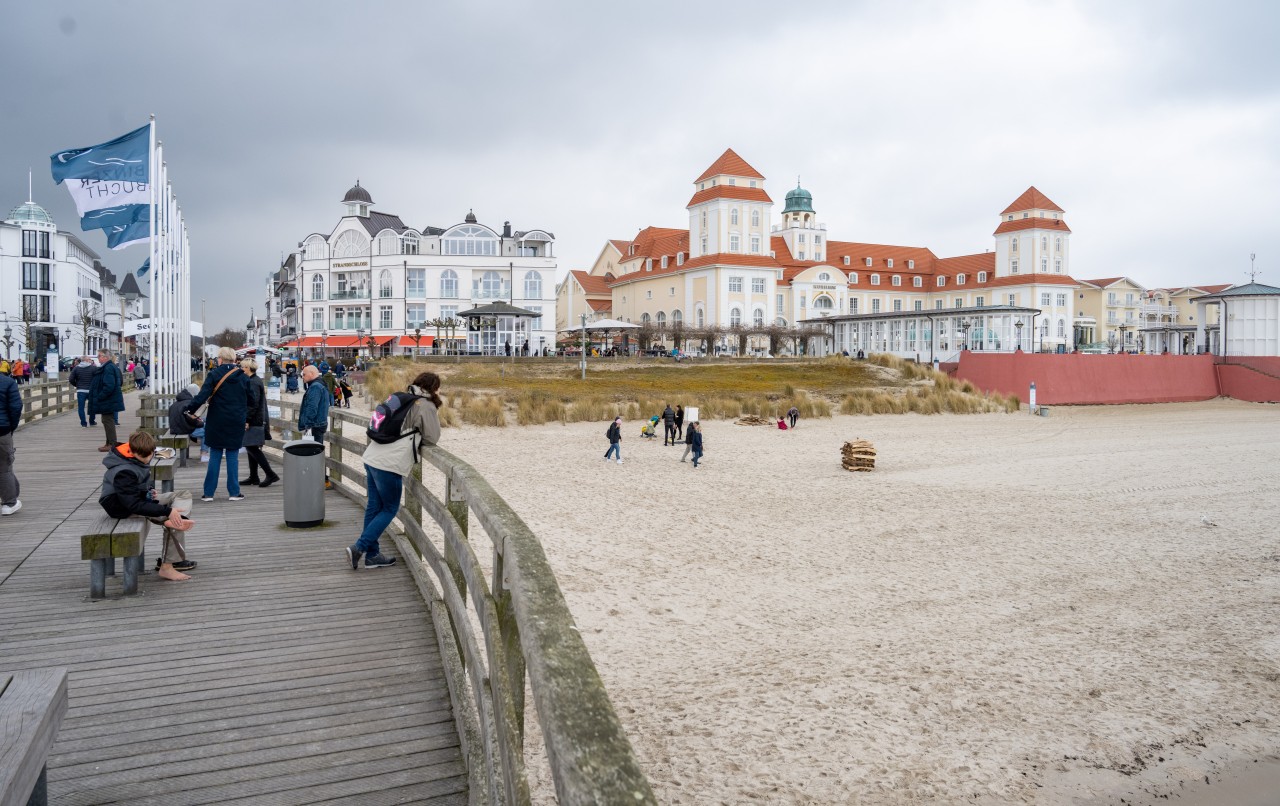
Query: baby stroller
[
  {"x": 291, "y": 381},
  {"x": 650, "y": 430}
]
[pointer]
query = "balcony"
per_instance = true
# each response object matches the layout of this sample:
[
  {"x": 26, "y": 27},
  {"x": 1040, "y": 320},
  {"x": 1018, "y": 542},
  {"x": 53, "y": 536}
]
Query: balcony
[
  {"x": 350, "y": 324},
  {"x": 503, "y": 292},
  {"x": 1154, "y": 309},
  {"x": 359, "y": 294}
]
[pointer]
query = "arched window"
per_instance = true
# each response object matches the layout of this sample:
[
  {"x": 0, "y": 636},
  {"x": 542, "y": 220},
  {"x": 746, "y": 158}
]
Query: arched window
[
  {"x": 1014, "y": 241},
  {"x": 780, "y": 322},
  {"x": 824, "y": 277},
  {"x": 1044, "y": 328},
  {"x": 982, "y": 276},
  {"x": 470, "y": 240},
  {"x": 942, "y": 281},
  {"x": 533, "y": 285},
  {"x": 317, "y": 287},
  {"x": 1062, "y": 328},
  {"x": 897, "y": 280},
  {"x": 677, "y": 318},
  {"x": 1057, "y": 244},
  {"x": 1044, "y": 242},
  {"x": 702, "y": 318},
  {"x": 662, "y": 318},
  {"x": 917, "y": 282},
  {"x": 733, "y": 217},
  {"x": 449, "y": 284},
  {"x": 823, "y": 303},
  {"x": 351, "y": 244},
  {"x": 735, "y": 317},
  {"x": 315, "y": 249},
  {"x": 384, "y": 284},
  {"x": 410, "y": 243},
  {"x": 959, "y": 279},
  {"x": 388, "y": 244},
  {"x": 644, "y": 319},
  {"x": 757, "y": 318},
  {"x": 490, "y": 285},
  {"x": 755, "y": 218},
  {"x": 875, "y": 279}
]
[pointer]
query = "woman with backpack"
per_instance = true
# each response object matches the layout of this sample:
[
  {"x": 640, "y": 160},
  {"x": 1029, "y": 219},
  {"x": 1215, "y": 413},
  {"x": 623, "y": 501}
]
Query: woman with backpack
[
  {"x": 398, "y": 430},
  {"x": 614, "y": 435}
]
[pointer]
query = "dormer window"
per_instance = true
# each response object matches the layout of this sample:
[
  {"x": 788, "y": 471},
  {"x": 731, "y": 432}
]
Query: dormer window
[
  {"x": 917, "y": 282},
  {"x": 875, "y": 279},
  {"x": 664, "y": 261},
  {"x": 982, "y": 276},
  {"x": 897, "y": 280},
  {"x": 679, "y": 258},
  {"x": 959, "y": 279},
  {"x": 853, "y": 278},
  {"x": 911, "y": 264},
  {"x": 868, "y": 262},
  {"x": 889, "y": 263},
  {"x": 942, "y": 282},
  {"x": 846, "y": 260},
  {"x": 648, "y": 264}
]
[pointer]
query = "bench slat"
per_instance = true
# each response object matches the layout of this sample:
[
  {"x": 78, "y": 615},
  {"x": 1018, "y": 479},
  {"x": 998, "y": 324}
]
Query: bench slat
[{"x": 32, "y": 706}]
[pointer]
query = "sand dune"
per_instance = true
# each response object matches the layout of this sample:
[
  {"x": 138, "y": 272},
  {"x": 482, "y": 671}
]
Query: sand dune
[{"x": 1009, "y": 609}]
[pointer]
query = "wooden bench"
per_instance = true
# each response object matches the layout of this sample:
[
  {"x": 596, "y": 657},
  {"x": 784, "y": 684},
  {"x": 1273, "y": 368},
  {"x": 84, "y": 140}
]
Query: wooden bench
[
  {"x": 180, "y": 443},
  {"x": 162, "y": 472},
  {"x": 32, "y": 705},
  {"x": 107, "y": 539}
]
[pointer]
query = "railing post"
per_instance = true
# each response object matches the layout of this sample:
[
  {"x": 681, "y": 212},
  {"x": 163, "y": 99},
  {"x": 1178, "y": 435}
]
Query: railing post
[
  {"x": 457, "y": 504},
  {"x": 510, "y": 633},
  {"x": 335, "y": 449},
  {"x": 411, "y": 502}
]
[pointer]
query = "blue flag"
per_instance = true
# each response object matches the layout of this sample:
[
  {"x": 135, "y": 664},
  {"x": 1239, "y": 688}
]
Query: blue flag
[
  {"x": 108, "y": 217},
  {"x": 123, "y": 159},
  {"x": 144, "y": 268},
  {"x": 124, "y": 236}
]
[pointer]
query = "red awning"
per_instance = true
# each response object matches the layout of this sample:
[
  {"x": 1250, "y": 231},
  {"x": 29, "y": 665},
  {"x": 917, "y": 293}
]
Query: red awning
[{"x": 338, "y": 342}]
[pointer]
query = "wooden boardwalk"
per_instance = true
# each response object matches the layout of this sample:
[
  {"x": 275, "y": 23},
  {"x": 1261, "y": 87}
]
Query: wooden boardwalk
[{"x": 277, "y": 676}]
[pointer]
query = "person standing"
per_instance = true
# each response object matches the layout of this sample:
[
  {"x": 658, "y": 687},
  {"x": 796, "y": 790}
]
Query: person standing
[
  {"x": 668, "y": 426},
  {"x": 679, "y": 423},
  {"x": 615, "y": 440},
  {"x": 793, "y": 414},
  {"x": 340, "y": 370},
  {"x": 386, "y": 463},
  {"x": 696, "y": 444},
  {"x": 106, "y": 397},
  {"x": 257, "y": 429},
  {"x": 10, "y": 418},
  {"x": 226, "y": 390},
  {"x": 81, "y": 378},
  {"x": 19, "y": 371},
  {"x": 139, "y": 375},
  {"x": 313, "y": 414}
]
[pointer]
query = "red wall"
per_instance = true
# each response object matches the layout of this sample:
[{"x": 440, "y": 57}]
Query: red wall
[
  {"x": 1089, "y": 379},
  {"x": 1243, "y": 383}
]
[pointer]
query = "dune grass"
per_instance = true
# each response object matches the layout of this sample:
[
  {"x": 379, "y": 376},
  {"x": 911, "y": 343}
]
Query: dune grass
[{"x": 534, "y": 393}]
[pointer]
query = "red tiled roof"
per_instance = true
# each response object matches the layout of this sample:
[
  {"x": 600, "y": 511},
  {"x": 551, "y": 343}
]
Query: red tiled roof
[
  {"x": 730, "y": 164},
  {"x": 729, "y": 192},
  {"x": 655, "y": 242},
  {"x": 967, "y": 265},
  {"x": 590, "y": 283},
  {"x": 1212, "y": 289},
  {"x": 600, "y": 304},
  {"x": 621, "y": 246},
  {"x": 1032, "y": 223},
  {"x": 1031, "y": 199},
  {"x": 1104, "y": 282}
]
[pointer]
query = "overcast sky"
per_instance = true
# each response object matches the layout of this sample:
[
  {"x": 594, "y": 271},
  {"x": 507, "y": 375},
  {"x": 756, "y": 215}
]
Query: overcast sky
[{"x": 1156, "y": 126}]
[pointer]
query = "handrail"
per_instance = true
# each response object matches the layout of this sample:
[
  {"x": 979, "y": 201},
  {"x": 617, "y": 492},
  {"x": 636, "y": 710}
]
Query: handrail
[
  {"x": 36, "y": 398},
  {"x": 525, "y": 626}
]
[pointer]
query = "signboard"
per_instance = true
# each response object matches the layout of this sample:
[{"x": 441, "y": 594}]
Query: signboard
[
  {"x": 142, "y": 327},
  {"x": 273, "y": 393},
  {"x": 691, "y": 414}
]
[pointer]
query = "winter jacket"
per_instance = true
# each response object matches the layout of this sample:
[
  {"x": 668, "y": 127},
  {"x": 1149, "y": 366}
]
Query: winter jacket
[
  {"x": 81, "y": 376},
  {"x": 614, "y": 433},
  {"x": 126, "y": 486},
  {"x": 179, "y": 423},
  {"x": 668, "y": 416},
  {"x": 139, "y": 372},
  {"x": 228, "y": 410},
  {"x": 695, "y": 441},
  {"x": 330, "y": 383},
  {"x": 257, "y": 433},
  {"x": 106, "y": 395},
  {"x": 398, "y": 457},
  {"x": 10, "y": 405},
  {"x": 314, "y": 412},
  {"x": 679, "y": 416}
]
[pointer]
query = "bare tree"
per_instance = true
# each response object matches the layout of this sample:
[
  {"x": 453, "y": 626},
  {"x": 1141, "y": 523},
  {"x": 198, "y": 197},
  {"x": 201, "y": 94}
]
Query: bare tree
[
  {"x": 87, "y": 312},
  {"x": 230, "y": 338}
]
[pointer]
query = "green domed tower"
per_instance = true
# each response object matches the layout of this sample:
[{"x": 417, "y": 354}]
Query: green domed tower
[
  {"x": 800, "y": 225},
  {"x": 798, "y": 201}
]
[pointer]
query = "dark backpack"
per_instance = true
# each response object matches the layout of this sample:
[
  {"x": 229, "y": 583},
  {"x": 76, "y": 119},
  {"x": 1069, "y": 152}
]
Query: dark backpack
[{"x": 388, "y": 418}]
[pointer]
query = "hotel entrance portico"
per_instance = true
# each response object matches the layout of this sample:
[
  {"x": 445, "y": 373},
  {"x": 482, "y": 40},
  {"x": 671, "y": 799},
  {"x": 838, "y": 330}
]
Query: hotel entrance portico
[
  {"x": 492, "y": 328},
  {"x": 940, "y": 334}
]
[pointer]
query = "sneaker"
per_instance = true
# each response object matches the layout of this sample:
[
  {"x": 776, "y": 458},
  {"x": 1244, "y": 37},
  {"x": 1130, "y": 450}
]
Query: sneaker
[
  {"x": 206, "y": 498},
  {"x": 619, "y": 461},
  {"x": 236, "y": 498},
  {"x": 9, "y": 509},
  {"x": 354, "y": 554},
  {"x": 378, "y": 561}
]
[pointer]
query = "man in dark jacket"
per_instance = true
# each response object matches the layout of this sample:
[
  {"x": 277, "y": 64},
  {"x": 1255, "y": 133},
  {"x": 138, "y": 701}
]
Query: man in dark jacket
[
  {"x": 81, "y": 378},
  {"x": 614, "y": 435},
  {"x": 106, "y": 397},
  {"x": 127, "y": 493},
  {"x": 669, "y": 425},
  {"x": 10, "y": 417},
  {"x": 182, "y": 419}
]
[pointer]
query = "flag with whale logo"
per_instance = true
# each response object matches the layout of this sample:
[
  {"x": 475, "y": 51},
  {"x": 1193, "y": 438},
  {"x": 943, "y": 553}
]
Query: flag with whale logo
[{"x": 109, "y": 182}]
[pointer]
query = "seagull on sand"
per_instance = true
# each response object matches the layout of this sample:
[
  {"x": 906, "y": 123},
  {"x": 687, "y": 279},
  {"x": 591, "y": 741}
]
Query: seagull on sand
[{"x": 1205, "y": 520}]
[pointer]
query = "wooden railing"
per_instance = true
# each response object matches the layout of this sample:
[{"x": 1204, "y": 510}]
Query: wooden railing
[
  {"x": 525, "y": 629},
  {"x": 47, "y": 398}
]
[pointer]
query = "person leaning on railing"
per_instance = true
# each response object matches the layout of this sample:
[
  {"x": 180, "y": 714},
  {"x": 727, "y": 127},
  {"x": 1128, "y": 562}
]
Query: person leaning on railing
[{"x": 387, "y": 463}]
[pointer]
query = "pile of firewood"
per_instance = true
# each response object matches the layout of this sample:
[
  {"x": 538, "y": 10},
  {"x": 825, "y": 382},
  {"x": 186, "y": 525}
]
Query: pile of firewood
[
  {"x": 753, "y": 419},
  {"x": 858, "y": 455}
]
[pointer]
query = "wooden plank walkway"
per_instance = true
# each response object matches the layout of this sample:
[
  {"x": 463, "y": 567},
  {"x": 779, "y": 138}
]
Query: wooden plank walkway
[{"x": 278, "y": 675}]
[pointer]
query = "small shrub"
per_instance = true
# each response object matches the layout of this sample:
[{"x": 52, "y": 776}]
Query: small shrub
[
  {"x": 484, "y": 411},
  {"x": 449, "y": 417}
]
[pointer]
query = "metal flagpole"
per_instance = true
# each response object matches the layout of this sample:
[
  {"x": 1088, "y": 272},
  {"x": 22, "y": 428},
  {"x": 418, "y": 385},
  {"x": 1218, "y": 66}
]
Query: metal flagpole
[{"x": 153, "y": 177}]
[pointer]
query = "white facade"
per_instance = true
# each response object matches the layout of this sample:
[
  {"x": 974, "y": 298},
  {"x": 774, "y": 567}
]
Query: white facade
[
  {"x": 373, "y": 274},
  {"x": 52, "y": 292}
]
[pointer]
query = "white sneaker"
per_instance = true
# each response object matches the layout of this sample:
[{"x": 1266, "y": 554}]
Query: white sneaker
[
  {"x": 619, "y": 461},
  {"x": 9, "y": 509}
]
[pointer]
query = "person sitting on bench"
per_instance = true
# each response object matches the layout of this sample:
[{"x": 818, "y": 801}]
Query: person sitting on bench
[{"x": 127, "y": 493}]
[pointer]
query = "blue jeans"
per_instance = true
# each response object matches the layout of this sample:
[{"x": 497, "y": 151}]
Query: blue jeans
[
  {"x": 197, "y": 433},
  {"x": 697, "y": 455},
  {"x": 215, "y": 466},
  {"x": 615, "y": 448},
  {"x": 383, "y": 488},
  {"x": 81, "y": 398}
]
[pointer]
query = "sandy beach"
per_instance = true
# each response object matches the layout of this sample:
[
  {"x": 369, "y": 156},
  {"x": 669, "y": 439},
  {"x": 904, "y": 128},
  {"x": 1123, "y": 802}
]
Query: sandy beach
[{"x": 1009, "y": 609}]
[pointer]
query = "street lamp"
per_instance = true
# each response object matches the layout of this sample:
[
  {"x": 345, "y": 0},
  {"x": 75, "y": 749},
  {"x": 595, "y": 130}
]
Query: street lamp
[
  {"x": 417, "y": 341},
  {"x": 324, "y": 345},
  {"x": 964, "y": 333},
  {"x": 1017, "y": 326},
  {"x": 8, "y": 340}
]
